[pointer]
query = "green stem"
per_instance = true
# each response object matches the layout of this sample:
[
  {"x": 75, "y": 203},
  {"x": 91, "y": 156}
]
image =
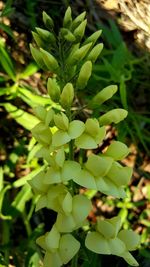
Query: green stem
[
  {"x": 26, "y": 223},
  {"x": 74, "y": 262},
  {"x": 6, "y": 239}
]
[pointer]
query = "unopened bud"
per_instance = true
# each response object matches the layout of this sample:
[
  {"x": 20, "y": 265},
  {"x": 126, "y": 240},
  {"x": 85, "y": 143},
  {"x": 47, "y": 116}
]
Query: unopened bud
[
  {"x": 46, "y": 35},
  {"x": 84, "y": 75},
  {"x": 49, "y": 60},
  {"x": 104, "y": 95},
  {"x": 113, "y": 116},
  {"x": 37, "y": 39},
  {"x": 37, "y": 55},
  {"x": 79, "y": 54},
  {"x": 78, "y": 20},
  {"x": 53, "y": 89},
  {"x": 68, "y": 35},
  {"x": 67, "y": 18},
  {"x": 79, "y": 31},
  {"x": 95, "y": 52},
  {"x": 67, "y": 95},
  {"x": 47, "y": 20},
  {"x": 93, "y": 38}
]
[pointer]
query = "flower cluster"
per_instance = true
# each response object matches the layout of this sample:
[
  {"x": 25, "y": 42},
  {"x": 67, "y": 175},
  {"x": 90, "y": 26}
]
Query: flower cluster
[{"x": 60, "y": 134}]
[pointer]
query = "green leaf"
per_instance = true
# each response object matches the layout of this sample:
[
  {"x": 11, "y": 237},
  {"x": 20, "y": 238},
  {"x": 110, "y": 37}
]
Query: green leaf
[
  {"x": 29, "y": 70},
  {"x": 23, "y": 180},
  {"x": 1, "y": 179},
  {"x": 22, "y": 117},
  {"x": 33, "y": 99},
  {"x": 123, "y": 92},
  {"x": 22, "y": 197}
]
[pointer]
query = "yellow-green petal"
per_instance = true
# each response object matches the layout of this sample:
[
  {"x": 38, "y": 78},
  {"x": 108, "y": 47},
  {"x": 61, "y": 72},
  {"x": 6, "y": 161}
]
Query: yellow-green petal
[
  {"x": 86, "y": 141},
  {"x": 65, "y": 223},
  {"x": 97, "y": 243},
  {"x": 116, "y": 246},
  {"x": 76, "y": 128},
  {"x": 60, "y": 138},
  {"x": 60, "y": 157},
  {"x": 52, "y": 239},
  {"x": 106, "y": 229},
  {"x": 98, "y": 166},
  {"x": 70, "y": 170},
  {"x": 92, "y": 126},
  {"x": 81, "y": 207},
  {"x": 130, "y": 238},
  {"x": 52, "y": 176},
  {"x": 41, "y": 203},
  {"x": 52, "y": 259},
  {"x": 117, "y": 150},
  {"x": 119, "y": 175},
  {"x": 129, "y": 259},
  {"x": 67, "y": 203},
  {"x": 61, "y": 121},
  {"x": 86, "y": 180},
  {"x": 113, "y": 116},
  {"x": 68, "y": 247},
  {"x": 37, "y": 183}
]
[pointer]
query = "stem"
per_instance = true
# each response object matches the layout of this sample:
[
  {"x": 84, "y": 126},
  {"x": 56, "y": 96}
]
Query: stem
[
  {"x": 71, "y": 150},
  {"x": 74, "y": 262},
  {"x": 6, "y": 239},
  {"x": 26, "y": 223}
]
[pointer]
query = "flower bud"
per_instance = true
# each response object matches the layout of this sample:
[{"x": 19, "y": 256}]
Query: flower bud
[
  {"x": 104, "y": 95},
  {"x": 53, "y": 89},
  {"x": 93, "y": 38},
  {"x": 67, "y": 18},
  {"x": 78, "y": 54},
  {"x": 37, "y": 39},
  {"x": 49, "y": 60},
  {"x": 67, "y": 95},
  {"x": 37, "y": 55},
  {"x": 46, "y": 35},
  {"x": 95, "y": 52},
  {"x": 68, "y": 35},
  {"x": 113, "y": 116},
  {"x": 84, "y": 75},
  {"x": 47, "y": 20},
  {"x": 79, "y": 31},
  {"x": 78, "y": 20}
]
